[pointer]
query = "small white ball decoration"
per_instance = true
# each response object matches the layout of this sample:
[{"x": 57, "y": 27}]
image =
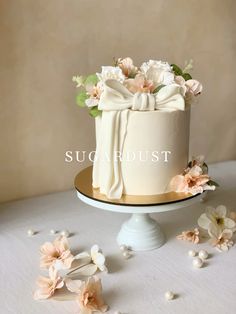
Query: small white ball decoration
[
  {"x": 30, "y": 232},
  {"x": 65, "y": 233},
  {"x": 126, "y": 254},
  {"x": 192, "y": 253},
  {"x": 203, "y": 254},
  {"x": 169, "y": 295},
  {"x": 197, "y": 262},
  {"x": 52, "y": 231}
]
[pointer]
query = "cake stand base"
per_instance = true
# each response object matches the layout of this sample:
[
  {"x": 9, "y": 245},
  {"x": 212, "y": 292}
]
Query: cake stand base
[{"x": 141, "y": 233}]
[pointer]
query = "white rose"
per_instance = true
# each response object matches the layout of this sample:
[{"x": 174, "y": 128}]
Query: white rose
[
  {"x": 109, "y": 72},
  {"x": 159, "y": 72}
]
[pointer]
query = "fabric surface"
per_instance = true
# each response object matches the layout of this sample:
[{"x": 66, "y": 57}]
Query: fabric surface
[
  {"x": 115, "y": 102},
  {"x": 134, "y": 286}
]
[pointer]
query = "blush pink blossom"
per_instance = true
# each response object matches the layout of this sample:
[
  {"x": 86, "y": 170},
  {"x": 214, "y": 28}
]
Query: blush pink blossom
[
  {"x": 193, "y": 182},
  {"x": 194, "y": 87},
  {"x": 56, "y": 252},
  {"x": 139, "y": 84},
  {"x": 190, "y": 235},
  {"x": 127, "y": 67},
  {"x": 89, "y": 295},
  {"x": 48, "y": 285}
]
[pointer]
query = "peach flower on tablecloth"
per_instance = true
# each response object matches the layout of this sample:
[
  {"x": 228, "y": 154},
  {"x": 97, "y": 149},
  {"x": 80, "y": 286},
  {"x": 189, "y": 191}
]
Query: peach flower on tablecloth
[
  {"x": 89, "y": 295},
  {"x": 48, "y": 285},
  {"x": 221, "y": 240},
  {"x": 57, "y": 252},
  {"x": 190, "y": 235}
]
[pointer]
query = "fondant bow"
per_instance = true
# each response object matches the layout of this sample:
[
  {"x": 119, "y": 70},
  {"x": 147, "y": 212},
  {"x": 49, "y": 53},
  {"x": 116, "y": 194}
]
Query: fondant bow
[
  {"x": 116, "y": 102},
  {"x": 117, "y": 97}
]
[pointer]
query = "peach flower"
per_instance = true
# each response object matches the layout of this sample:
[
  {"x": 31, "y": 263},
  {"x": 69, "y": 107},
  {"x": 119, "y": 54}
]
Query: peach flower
[
  {"x": 47, "y": 286},
  {"x": 89, "y": 295},
  {"x": 190, "y": 235},
  {"x": 127, "y": 67},
  {"x": 194, "y": 87},
  {"x": 221, "y": 240},
  {"x": 57, "y": 252},
  {"x": 139, "y": 84},
  {"x": 193, "y": 181},
  {"x": 190, "y": 87},
  {"x": 94, "y": 92}
]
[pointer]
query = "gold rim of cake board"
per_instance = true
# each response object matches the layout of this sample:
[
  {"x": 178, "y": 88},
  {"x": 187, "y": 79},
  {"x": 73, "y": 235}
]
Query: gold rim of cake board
[{"x": 83, "y": 184}]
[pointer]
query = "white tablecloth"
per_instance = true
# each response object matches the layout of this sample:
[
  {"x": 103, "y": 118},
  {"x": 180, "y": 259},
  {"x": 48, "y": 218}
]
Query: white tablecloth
[{"x": 134, "y": 286}]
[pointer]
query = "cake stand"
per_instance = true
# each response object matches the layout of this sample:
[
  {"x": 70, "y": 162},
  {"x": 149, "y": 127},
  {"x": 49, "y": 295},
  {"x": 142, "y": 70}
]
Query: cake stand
[{"x": 140, "y": 232}]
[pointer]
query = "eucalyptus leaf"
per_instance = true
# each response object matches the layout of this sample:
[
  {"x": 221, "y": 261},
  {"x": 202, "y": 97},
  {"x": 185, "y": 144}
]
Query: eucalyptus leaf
[
  {"x": 80, "y": 99},
  {"x": 156, "y": 90},
  {"x": 91, "y": 80},
  {"x": 177, "y": 69},
  {"x": 94, "y": 112},
  {"x": 186, "y": 76},
  {"x": 211, "y": 182}
]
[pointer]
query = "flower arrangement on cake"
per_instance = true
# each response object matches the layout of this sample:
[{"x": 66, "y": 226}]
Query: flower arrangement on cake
[
  {"x": 150, "y": 77},
  {"x": 194, "y": 179}
]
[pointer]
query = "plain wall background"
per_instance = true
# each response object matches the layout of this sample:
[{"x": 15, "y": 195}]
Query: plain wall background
[{"x": 44, "y": 43}]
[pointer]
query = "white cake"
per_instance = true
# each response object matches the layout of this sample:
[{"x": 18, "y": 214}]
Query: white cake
[{"x": 156, "y": 144}]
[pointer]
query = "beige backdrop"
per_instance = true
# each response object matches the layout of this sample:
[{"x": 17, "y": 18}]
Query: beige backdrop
[{"x": 43, "y": 43}]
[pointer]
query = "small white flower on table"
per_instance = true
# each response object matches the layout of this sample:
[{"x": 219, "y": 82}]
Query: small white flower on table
[{"x": 98, "y": 258}]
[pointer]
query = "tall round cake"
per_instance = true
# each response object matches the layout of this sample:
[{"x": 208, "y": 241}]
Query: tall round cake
[{"x": 155, "y": 149}]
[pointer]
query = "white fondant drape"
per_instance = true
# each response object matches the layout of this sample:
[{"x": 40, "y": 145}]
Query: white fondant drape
[{"x": 116, "y": 102}]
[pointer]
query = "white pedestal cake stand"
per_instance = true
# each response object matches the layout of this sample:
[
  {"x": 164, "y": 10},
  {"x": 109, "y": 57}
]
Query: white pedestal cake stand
[{"x": 140, "y": 232}]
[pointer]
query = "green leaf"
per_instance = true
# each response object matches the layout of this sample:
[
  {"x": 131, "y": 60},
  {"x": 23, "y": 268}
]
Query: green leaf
[
  {"x": 211, "y": 182},
  {"x": 91, "y": 80},
  {"x": 156, "y": 90},
  {"x": 177, "y": 69},
  {"x": 80, "y": 99},
  {"x": 205, "y": 168},
  {"x": 186, "y": 76},
  {"x": 94, "y": 112}
]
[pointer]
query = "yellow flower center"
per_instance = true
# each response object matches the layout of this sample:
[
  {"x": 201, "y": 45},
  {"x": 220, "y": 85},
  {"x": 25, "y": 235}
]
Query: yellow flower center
[{"x": 220, "y": 221}]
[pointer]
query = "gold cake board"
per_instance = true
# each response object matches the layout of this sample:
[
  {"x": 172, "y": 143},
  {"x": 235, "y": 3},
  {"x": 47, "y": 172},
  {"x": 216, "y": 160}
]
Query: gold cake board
[{"x": 83, "y": 184}]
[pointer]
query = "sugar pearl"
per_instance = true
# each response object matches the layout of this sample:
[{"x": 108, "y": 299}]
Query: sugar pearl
[
  {"x": 123, "y": 247},
  {"x": 197, "y": 262},
  {"x": 169, "y": 295},
  {"x": 126, "y": 254},
  {"x": 30, "y": 232},
  {"x": 192, "y": 253},
  {"x": 203, "y": 254},
  {"x": 65, "y": 233}
]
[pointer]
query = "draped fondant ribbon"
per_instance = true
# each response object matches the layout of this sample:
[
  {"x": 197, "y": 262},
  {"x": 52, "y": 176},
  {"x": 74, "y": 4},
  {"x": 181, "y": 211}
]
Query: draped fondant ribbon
[{"x": 116, "y": 102}]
